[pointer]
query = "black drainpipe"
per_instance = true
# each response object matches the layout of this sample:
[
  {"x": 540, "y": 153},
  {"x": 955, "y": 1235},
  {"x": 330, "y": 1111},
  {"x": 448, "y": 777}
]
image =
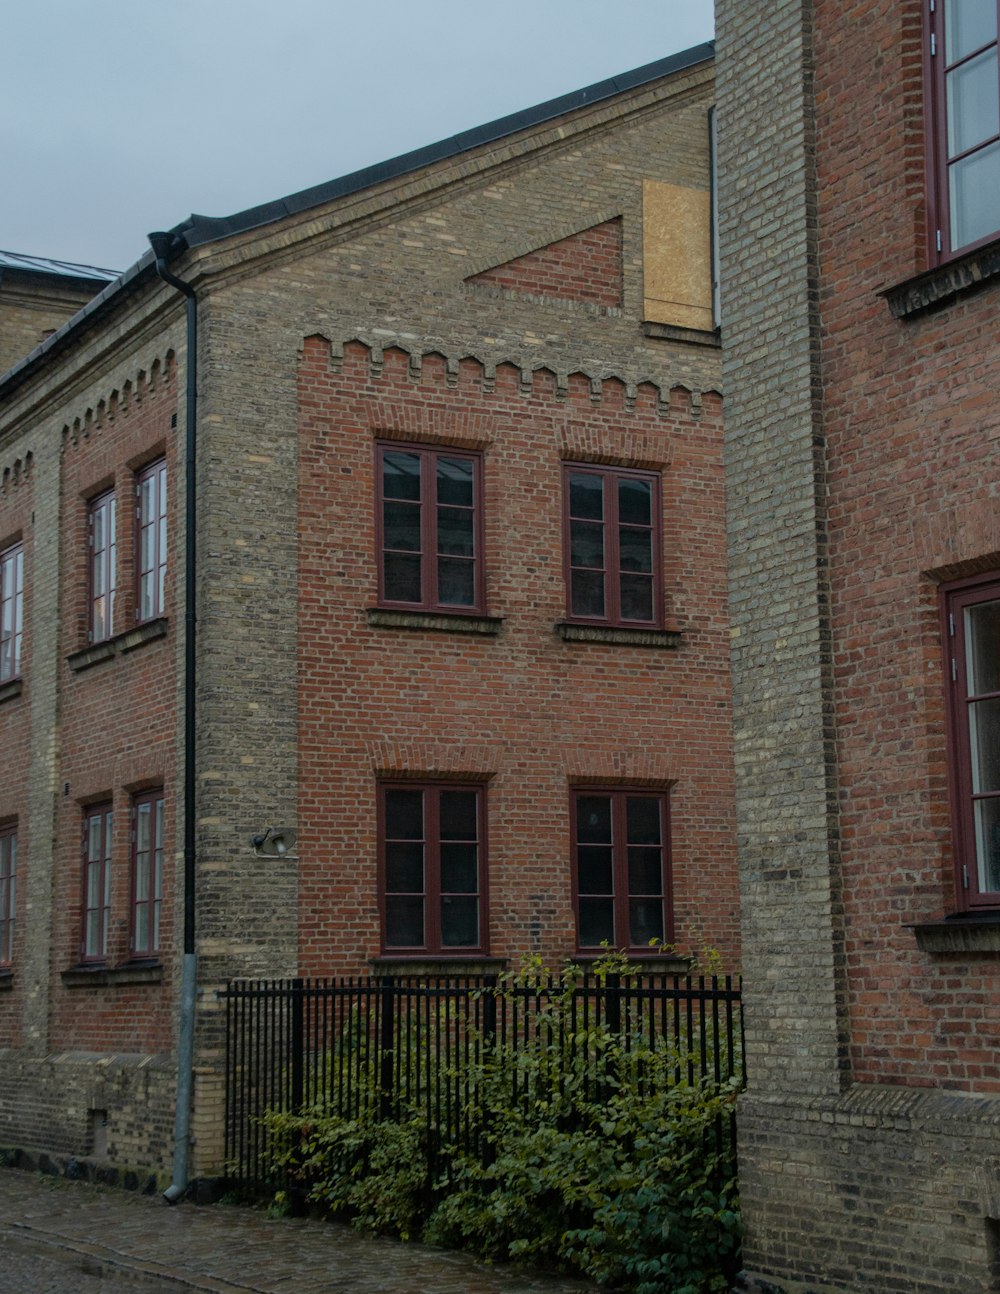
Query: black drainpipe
[{"x": 162, "y": 244}]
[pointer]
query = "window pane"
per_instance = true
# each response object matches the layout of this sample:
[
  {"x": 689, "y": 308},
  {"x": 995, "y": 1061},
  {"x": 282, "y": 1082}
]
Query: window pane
[
  {"x": 400, "y": 475},
  {"x": 988, "y": 844},
  {"x": 968, "y": 25},
  {"x": 637, "y": 597},
  {"x": 404, "y": 815},
  {"x": 593, "y": 819},
  {"x": 982, "y": 637},
  {"x": 597, "y": 922},
  {"x": 404, "y": 922},
  {"x": 973, "y": 103},
  {"x": 459, "y": 818},
  {"x": 984, "y": 742},
  {"x": 586, "y": 495},
  {"x": 635, "y": 501},
  {"x": 645, "y": 870},
  {"x": 586, "y": 544},
  {"x": 595, "y": 869},
  {"x": 401, "y": 526},
  {"x": 456, "y": 582},
  {"x": 459, "y": 922},
  {"x": 645, "y": 921},
  {"x": 142, "y": 943},
  {"x": 459, "y": 869},
  {"x": 642, "y": 818},
  {"x": 454, "y": 481},
  {"x": 975, "y": 196},
  {"x": 402, "y": 578},
  {"x": 587, "y": 590},
  {"x": 455, "y": 537},
  {"x": 636, "y": 549},
  {"x": 404, "y": 867}
]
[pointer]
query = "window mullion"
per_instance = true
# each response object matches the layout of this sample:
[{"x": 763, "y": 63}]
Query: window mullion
[
  {"x": 432, "y": 869},
  {"x": 428, "y": 529},
  {"x": 620, "y": 870}
]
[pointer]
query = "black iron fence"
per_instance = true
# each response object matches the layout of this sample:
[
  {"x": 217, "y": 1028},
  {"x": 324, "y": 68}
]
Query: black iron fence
[{"x": 373, "y": 1048}]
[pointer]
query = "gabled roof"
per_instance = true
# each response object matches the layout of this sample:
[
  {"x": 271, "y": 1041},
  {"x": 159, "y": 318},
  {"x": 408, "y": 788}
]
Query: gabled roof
[
  {"x": 197, "y": 230},
  {"x": 61, "y": 269}
]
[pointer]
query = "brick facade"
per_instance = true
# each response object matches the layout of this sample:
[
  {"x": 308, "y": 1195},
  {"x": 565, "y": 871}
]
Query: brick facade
[
  {"x": 352, "y": 319},
  {"x": 861, "y": 448}
]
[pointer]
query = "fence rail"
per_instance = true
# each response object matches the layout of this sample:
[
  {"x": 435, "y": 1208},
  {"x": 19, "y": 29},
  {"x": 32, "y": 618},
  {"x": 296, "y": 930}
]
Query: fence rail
[{"x": 376, "y": 1047}]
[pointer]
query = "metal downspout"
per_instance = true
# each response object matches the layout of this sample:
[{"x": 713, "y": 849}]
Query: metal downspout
[{"x": 162, "y": 244}]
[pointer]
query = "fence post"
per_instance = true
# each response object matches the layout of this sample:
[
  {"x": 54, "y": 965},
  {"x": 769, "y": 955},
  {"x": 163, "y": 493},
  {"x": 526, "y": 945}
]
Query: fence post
[
  {"x": 297, "y": 1043},
  {"x": 388, "y": 995},
  {"x": 613, "y": 1003}
]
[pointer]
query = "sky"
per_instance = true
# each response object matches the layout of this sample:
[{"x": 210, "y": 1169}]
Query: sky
[{"x": 118, "y": 117}]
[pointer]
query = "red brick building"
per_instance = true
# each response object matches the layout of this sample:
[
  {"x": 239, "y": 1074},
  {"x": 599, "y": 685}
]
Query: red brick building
[
  {"x": 455, "y": 591},
  {"x": 859, "y": 266}
]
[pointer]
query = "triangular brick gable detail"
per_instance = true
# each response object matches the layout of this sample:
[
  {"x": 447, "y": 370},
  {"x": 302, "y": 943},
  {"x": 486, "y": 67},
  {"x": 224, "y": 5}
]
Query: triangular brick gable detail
[{"x": 585, "y": 267}]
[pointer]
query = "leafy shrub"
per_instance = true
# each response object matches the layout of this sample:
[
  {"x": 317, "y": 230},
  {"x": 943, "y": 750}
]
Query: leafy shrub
[{"x": 599, "y": 1153}]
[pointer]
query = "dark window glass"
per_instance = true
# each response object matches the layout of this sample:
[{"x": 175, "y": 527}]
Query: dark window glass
[
  {"x": 11, "y": 611},
  {"x": 972, "y": 617},
  {"x": 151, "y": 538},
  {"x": 622, "y": 867},
  {"x": 8, "y": 892},
  {"x": 430, "y": 520},
  {"x": 96, "y": 882},
  {"x": 147, "y": 872},
  {"x": 613, "y": 545},
  {"x": 964, "y": 123},
  {"x": 433, "y": 866},
  {"x": 102, "y": 540}
]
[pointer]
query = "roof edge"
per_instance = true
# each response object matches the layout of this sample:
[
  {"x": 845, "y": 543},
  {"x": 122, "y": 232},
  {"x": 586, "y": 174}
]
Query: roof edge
[{"x": 198, "y": 230}]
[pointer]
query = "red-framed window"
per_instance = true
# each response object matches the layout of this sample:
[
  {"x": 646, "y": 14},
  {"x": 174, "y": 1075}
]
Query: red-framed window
[
  {"x": 972, "y": 632},
  {"x": 432, "y": 867},
  {"x": 621, "y": 867},
  {"x": 102, "y": 545},
  {"x": 963, "y": 118},
  {"x": 612, "y": 545},
  {"x": 147, "y": 873},
  {"x": 96, "y": 904},
  {"x": 8, "y": 894},
  {"x": 151, "y": 540},
  {"x": 11, "y": 611},
  {"x": 430, "y": 528}
]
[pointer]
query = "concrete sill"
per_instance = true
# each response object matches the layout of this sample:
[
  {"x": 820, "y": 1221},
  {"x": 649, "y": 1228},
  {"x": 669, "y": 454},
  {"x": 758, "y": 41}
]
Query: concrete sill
[
  {"x": 8, "y": 691},
  {"x": 674, "y": 332},
  {"x": 126, "y": 641},
  {"x": 975, "y": 934},
  {"x": 641, "y": 963},
  {"x": 444, "y": 622},
  {"x": 102, "y": 976},
  {"x": 423, "y": 965},
  {"x": 943, "y": 283},
  {"x": 662, "y": 638}
]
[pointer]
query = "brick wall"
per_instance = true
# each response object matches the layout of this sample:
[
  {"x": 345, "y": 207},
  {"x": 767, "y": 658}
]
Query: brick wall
[
  {"x": 878, "y": 1171},
  {"x": 533, "y": 712},
  {"x": 584, "y": 267}
]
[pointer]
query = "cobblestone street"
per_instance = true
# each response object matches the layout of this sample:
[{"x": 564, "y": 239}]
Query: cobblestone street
[{"x": 62, "y": 1237}]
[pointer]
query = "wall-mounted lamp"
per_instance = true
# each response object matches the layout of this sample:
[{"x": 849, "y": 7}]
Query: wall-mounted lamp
[{"x": 275, "y": 842}]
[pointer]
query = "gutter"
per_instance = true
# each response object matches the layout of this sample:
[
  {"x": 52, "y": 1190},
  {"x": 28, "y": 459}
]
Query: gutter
[{"x": 163, "y": 244}]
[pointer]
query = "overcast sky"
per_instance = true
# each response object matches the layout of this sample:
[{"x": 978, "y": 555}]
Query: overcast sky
[{"x": 122, "y": 116}]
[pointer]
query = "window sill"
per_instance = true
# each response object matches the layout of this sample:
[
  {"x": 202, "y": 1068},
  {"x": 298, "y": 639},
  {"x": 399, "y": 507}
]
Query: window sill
[
  {"x": 437, "y": 964},
  {"x": 940, "y": 285},
  {"x": 959, "y": 934},
  {"x": 126, "y": 641},
  {"x": 9, "y": 690},
  {"x": 663, "y": 638},
  {"x": 137, "y": 972},
  {"x": 638, "y": 963},
  {"x": 445, "y": 622},
  {"x": 674, "y": 332}
]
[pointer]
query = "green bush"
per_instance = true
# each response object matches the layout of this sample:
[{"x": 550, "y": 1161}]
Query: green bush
[{"x": 597, "y": 1155}]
